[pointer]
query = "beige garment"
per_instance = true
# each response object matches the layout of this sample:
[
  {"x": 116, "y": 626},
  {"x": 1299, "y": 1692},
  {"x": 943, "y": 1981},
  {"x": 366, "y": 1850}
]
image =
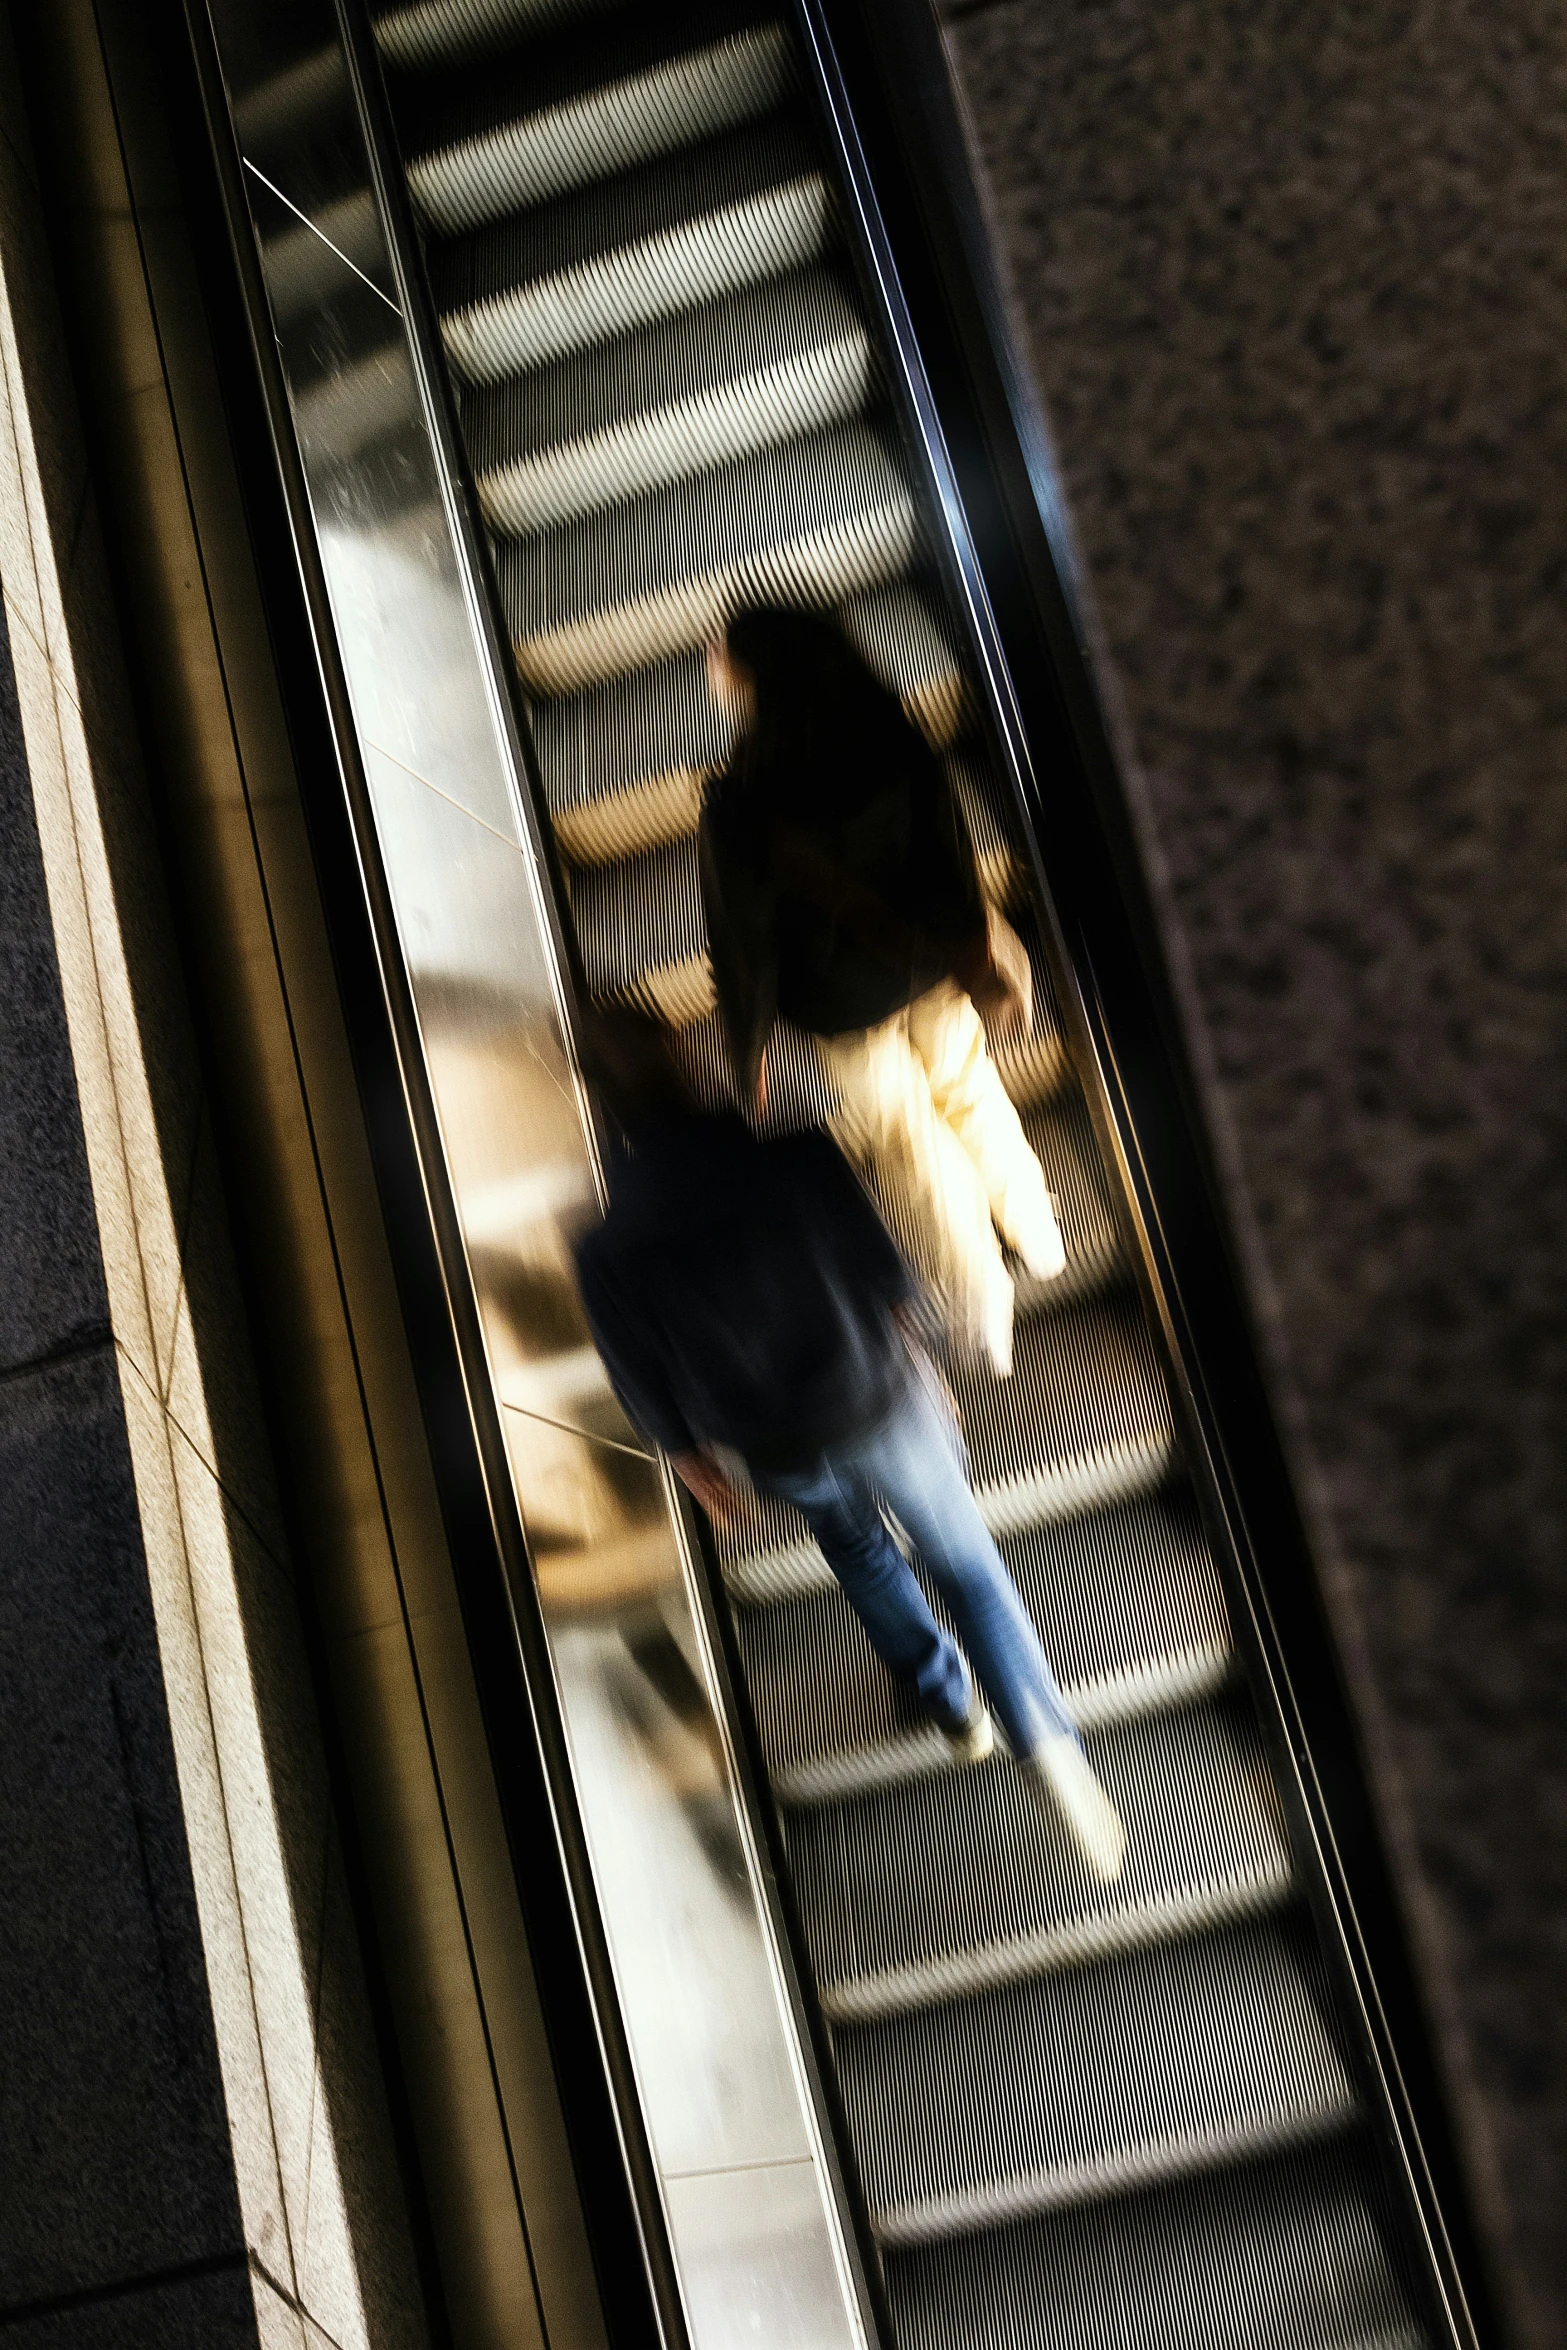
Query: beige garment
[{"x": 924, "y": 1112}]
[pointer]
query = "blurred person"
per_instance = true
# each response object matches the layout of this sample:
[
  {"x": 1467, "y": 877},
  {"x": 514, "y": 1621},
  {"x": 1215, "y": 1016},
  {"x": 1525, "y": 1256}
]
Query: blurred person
[
  {"x": 841, "y": 893},
  {"x": 756, "y": 1318}
]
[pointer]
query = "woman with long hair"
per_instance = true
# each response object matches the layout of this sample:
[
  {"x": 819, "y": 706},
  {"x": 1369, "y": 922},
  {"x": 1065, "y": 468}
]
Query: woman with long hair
[{"x": 841, "y": 893}]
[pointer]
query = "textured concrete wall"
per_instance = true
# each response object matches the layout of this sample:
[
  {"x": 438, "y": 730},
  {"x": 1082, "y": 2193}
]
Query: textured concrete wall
[
  {"x": 1293, "y": 283},
  {"x": 118, "y": 2211},
  {"x": 194, "y": 2145}
]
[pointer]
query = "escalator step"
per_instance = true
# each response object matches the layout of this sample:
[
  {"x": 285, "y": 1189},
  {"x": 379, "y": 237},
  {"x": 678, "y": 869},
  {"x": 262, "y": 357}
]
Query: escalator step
[
  {"x": 1287, "y": 2256},
  {"x": 635, "y": 895},
  {"x": 756, "y": 367},
  {"x": 638, "y": 914},
  {"x": 662, "y": 719},
  {"x": 812, "y": 522},
  {"x": 1093, "y": 1428},
  {"x": 494, "y": 142},
  {"x": 416, "y": 34},
  {"x": 768, "y": 1557},
  {"x": 1174, "y": 2059},
  {"x": 888, "y": 1933},
  {"x": 1126, "y": 1601},
  {"x": 595, "y": 264},
  {"x": 1081, "y": 1381}
]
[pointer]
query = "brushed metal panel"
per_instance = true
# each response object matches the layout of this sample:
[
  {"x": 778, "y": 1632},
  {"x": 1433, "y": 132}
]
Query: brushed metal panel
[{"x": 511, "y": 2236}]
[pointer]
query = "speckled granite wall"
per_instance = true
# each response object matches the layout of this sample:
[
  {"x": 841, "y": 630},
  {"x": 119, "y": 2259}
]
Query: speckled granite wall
[{"x": 1293, "y": 281}]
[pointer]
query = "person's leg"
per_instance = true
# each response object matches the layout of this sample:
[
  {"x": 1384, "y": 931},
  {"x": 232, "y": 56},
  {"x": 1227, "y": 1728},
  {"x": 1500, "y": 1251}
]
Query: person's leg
[
  {"x": 948, "y": 1034},
  {"x": 843, "y": 1514},
  {"x": 916, "y": 1466},
  {"x": 887, "y": 1122}
]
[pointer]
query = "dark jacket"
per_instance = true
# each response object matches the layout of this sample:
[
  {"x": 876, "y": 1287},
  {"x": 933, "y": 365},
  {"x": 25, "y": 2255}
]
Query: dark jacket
[
  {"x": 741, "y": 1292},
  {"x": 833, "y": 900}
]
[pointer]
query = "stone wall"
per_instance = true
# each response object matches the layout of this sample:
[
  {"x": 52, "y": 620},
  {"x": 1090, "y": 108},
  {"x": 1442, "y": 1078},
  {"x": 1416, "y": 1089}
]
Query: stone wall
[{"x": 1293, "y": 285}]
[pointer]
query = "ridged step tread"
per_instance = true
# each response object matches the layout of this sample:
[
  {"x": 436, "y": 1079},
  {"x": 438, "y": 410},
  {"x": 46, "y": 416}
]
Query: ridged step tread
[
  {"x": 496, "y": 140},
  {"x": 623, "y": 765},
  {"x": 1205, "y": 1847},
  {"x": 768, "y": 1556},
  {"x": 1083, "y": 1381},
  {"x": 756, "y": 367},
  {"x": 1126, "y": 1599},
  {"x": 811, "y": 522},
  {"x": 642, "y": 909},
  {"x": 560, "y": 277},
  {"x": 667, "y": 807},
  {"x": 415, "y": 34},
  {"x": 1286, "y": 2256},
  {"x": 1175, "y": 2059}
]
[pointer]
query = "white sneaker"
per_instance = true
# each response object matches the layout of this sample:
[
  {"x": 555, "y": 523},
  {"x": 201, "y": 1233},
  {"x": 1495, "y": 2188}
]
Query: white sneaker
[
  {"x": 1063, "y": 1770},
  {"x": 1042, "y": 1251},
  {"x": 974, "y": 1738}
]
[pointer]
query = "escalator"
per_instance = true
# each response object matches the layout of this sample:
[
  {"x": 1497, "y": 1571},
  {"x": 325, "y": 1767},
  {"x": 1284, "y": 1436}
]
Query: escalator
[
  {"x": 1061, "y": 2113},
  {"x": 1076, "y": 2114}
]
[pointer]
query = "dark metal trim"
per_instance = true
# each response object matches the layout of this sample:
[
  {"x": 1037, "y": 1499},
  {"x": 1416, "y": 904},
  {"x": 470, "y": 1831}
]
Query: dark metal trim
[
  {"x": 506, "y": 1634},
  {"x": 882, "y": 77}
]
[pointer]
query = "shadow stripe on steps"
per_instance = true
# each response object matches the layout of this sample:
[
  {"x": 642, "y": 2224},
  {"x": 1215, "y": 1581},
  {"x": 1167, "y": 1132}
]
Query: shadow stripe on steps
[
  {"x": 602, "y": 131},
  {"x": 1193, "y": 1909},
  {"x": 1122, "y": 2173},
  {"x": 1152, "y": 1685}
]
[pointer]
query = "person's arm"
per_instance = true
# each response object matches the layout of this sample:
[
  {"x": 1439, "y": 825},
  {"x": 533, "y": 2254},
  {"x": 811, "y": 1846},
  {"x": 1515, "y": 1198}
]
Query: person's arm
[
  {"x": 739, "y": 899},
  {"x": 988, "y": 959},
  {"x": 706, "y": 1482},
  {"x": 631, "y": 1357}
]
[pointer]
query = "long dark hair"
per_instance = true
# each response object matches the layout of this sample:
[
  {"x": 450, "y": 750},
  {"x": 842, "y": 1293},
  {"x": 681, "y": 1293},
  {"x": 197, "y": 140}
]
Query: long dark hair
[{"x": 824, "y": 725}]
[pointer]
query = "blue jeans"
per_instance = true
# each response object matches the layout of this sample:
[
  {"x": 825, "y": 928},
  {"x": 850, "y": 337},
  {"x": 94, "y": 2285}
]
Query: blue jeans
[{"x": 913, "y": 1463}]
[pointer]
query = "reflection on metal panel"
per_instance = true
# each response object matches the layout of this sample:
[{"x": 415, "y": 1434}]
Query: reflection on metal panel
[{"x": 746, "y": 2200}]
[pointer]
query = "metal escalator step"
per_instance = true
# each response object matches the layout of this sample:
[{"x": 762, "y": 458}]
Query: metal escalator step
[
  {"x": 809, "y": 522},
  {"x": 1287, "y": 2256},
  {"x": 1174, "y": 2059},
  {"x": 979, "y": 798},
  {"x": 650, "y": 815},
  {"x": 667, "y": 807},
  {"x": 682, "y": 995},
  {"x": 637, "y": 730},
  {"x": 634, "y": 891},
  {"x": 888, "y": 1933},
  {"x": 638, "y": 915},
  {"x": 1083, "y": 1381},
  {"x": 679, "y": 994},
  {"x": 492, "y": 147},
  {"x": 645, "y": 742},
  {"x": 907, "y": 640},
  {"x": 1153, "y": 1685},
  {"x": 767, "y": 1556},
  {"x": 755, "y": 367},
  {"x": 412, "y": 34},
  {"x": 1128, "y": 1606},
  {"x": 659, "y": 241}
]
